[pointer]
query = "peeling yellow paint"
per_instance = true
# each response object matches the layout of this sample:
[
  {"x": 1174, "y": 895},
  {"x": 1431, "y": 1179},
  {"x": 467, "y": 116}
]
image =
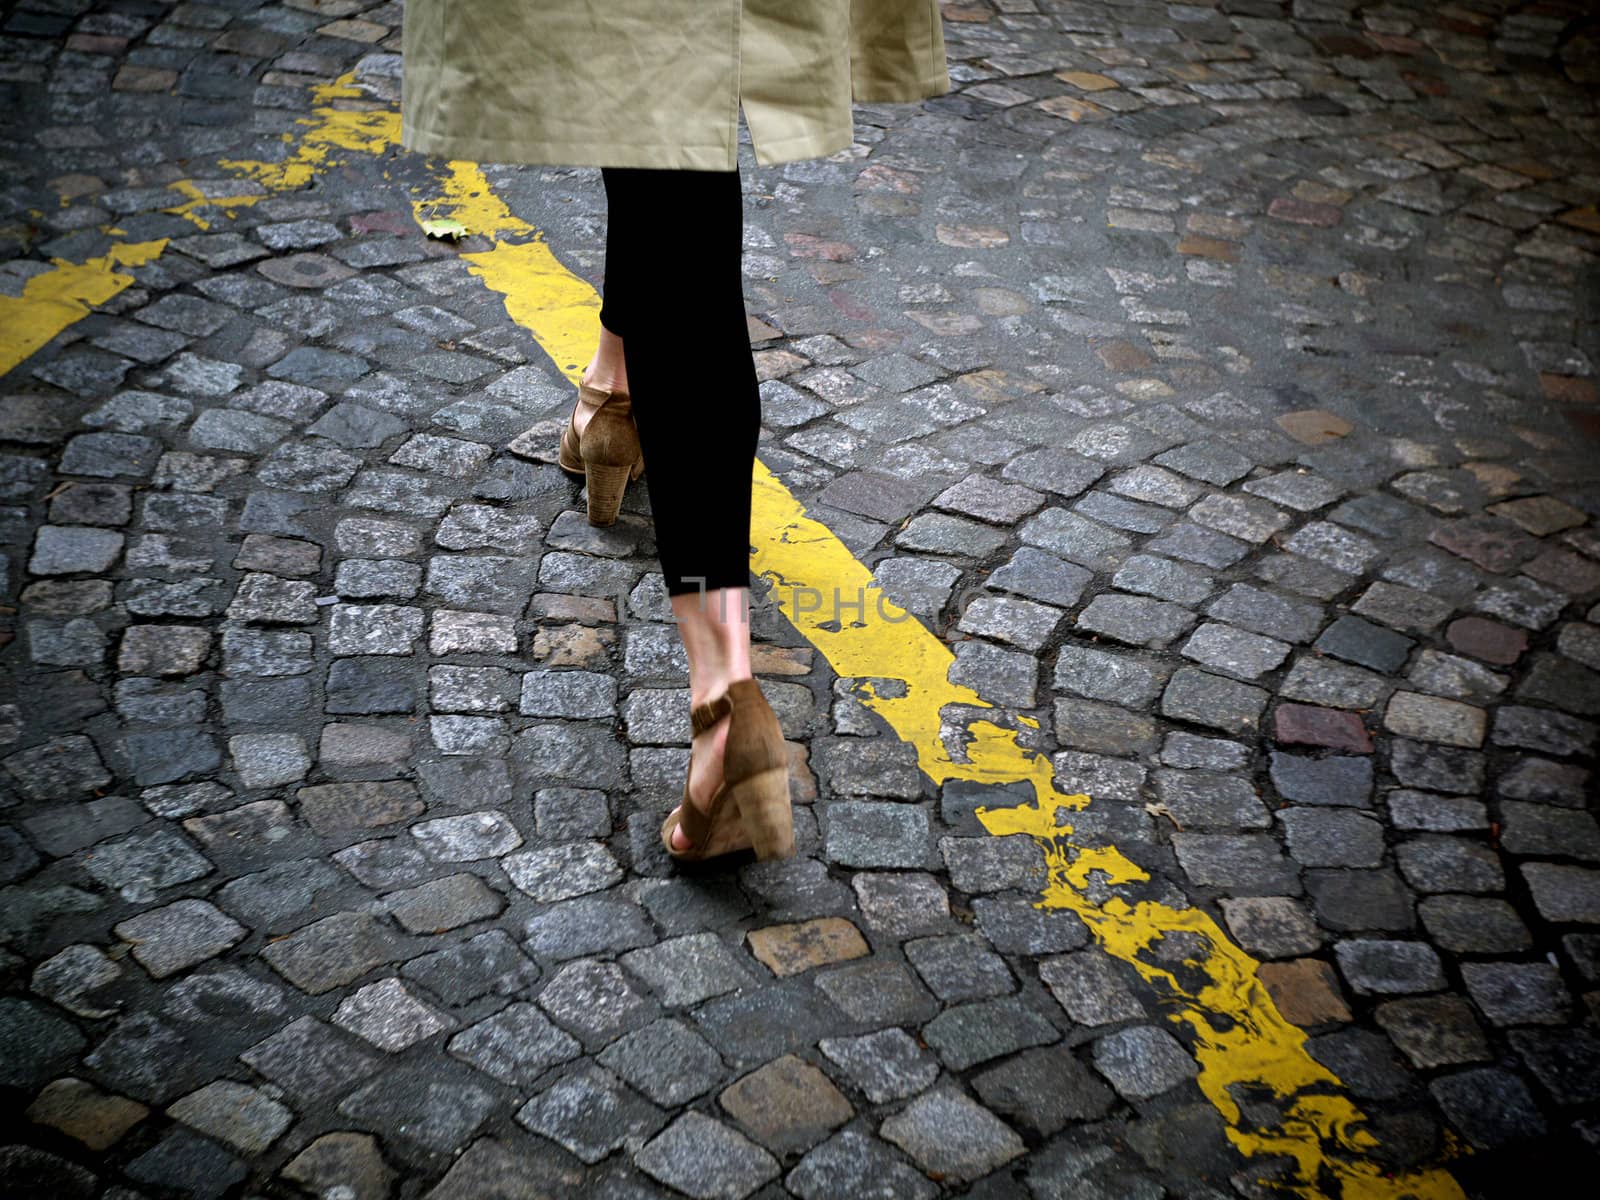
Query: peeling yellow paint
[
  {"x": 328, "y": 129},
  {"x": 55, "y": 299},
  {"x": 1243, "y": 1045},
  {"x": 229, "y": 205},
  {"x": 1241, "y": 1042},
  {"x": 52, "y": 301}
]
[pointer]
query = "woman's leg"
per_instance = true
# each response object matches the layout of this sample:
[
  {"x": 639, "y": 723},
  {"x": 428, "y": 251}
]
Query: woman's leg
[{"x": 697, "y": 406}]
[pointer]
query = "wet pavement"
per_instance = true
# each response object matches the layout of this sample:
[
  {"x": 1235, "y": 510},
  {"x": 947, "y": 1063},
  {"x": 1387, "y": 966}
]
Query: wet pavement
[{"x": 1215, "y": 384}]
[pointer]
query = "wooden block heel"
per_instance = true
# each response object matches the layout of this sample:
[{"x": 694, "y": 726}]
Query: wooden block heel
[
  {"x": 605, "y": 486},
  {"x": 608, "y": 448},
  {"x": 763, "y": 801}
]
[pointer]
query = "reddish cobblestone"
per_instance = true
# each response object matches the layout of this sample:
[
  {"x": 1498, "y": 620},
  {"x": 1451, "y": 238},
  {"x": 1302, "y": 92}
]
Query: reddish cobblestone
[
  {"x": 1563, "y": 569},
  {"x": 1493, "y": 545},
  {"x": 1313, "y": 426},
  {"x": 1305, "y": 725},
  {"x": 1305, "y": 212},
  {"x": 1568, "y": 389},
  {"x": 1488, "y": 640}
]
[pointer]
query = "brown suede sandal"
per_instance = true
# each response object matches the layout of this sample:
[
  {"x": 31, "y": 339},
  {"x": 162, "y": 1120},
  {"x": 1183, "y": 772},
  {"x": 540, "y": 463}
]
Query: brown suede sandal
[
  {"x": 601, "y": 443},
  {"x": 750, "y": 808}
]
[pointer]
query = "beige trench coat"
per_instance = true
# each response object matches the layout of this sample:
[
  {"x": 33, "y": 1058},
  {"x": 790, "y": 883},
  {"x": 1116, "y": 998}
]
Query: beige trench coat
[{"x": 657, "y": 83}]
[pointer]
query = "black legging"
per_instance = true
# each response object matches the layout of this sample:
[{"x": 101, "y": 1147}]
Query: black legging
[{"x": 674, "y": 293}]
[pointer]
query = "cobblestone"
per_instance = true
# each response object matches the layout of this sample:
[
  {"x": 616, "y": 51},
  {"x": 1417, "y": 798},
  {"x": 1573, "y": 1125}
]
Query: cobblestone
[
  {"x": 886, "y": 1066},
  {"x": 948, "y": 1134}
]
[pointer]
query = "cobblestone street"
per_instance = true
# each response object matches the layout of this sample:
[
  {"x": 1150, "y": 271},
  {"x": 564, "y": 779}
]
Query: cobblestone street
[{"x": 1213, "y": 383}]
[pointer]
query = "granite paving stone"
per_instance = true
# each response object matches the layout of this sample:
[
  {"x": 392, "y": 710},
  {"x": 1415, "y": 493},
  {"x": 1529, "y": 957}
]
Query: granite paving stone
[
  {"x": 1234, "y": 651},
  {"x": 428, "y": 1109},
  {"x": 1127, "y": 679},
  {"x": 1135, "y": 620},
  {"x": 1435, "y": 863},
  {"x": 1272, "y": 926},
  {"x": 241, "y": 1116},
  {"x": 705, "y": 1158},
  {"x": 1214, "y": 701},
  {"x": 1378, "y": 966},
  {"x": 1356, "y": 900},
  {"x": 960, "y": 967},
  {"x": 342, "y": 1159},
  {"x": 185, "y": 1160},
  {"x": 1142, "y": 1061},
  {"x": 488, "y": 963},
  {"x": 877, "y": 993},
  {"x": 487, "y": 1165},
  {"x": 72, "y": 977},
  {"x": 87, "y": 1114},
  {"x": 1489, "y": 1106},
  {"x": 902, "y": 904},
  {"x": 591, "y": 1113},
  {"x": 516, "y": 1045},
  {"x": 390, "y": 1017},
  {"x": 1434, "y": 1031},
  {"x": 791, "y": 949},
  {"x": 968, "y": 1034},
  {"x": 595, "y": 1001},
  {"x": 443, "y": 904},
  {"x": 1563, "y": 1061},
  {"x": 1510, "y": 993},
  {"x": 170, "y": 939},
  {"x": 946, "y": 1133},
  {"x": 684, "y": 971},
  {"x": 887, "y": 1065},
  {"x": 310, "y": 1060},
  {"x": 561, "y": 872},
  {"x": 856, "y": 1164},
  {"x": 1361, "y": 642},
  {"x": 666, "y": 1060},
  {"x": 788, "y": 1105}
]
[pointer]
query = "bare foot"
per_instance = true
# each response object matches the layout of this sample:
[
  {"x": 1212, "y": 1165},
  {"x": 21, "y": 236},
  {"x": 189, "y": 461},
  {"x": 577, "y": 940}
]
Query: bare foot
[{"x": 705, "y": 774}]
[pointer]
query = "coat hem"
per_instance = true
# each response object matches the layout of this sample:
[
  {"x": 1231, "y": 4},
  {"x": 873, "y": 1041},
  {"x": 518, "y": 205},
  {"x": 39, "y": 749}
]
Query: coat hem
[
  {"x": 773, "y": 152},
  {"x": 543, "y": 153},
  {"x": 928, "y": 86}
]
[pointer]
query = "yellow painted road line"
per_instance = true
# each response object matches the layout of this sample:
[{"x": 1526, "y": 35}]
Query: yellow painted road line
[
  {"x": 1245, "y": 1048},
  {"x": 62, "y": 296},
  {"x": 54, "y": 300}
]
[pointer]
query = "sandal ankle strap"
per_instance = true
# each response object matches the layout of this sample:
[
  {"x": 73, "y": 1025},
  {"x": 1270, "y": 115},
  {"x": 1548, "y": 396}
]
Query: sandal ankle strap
[{"x": 703, "y": 716}]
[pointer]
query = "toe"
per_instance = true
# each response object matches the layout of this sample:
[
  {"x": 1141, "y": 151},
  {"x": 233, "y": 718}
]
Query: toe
[{"x": 679, "y": 841}]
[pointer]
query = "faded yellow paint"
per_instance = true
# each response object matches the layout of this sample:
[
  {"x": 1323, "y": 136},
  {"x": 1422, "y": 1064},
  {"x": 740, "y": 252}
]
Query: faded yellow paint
[
  {"x": 329, "y": 129},
  {"x": 63, "y": 295},
  {"x": 52, "y": 301},
  {"x": 197, "y": 199},
  {"x": 1239, "y": 1038}
]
